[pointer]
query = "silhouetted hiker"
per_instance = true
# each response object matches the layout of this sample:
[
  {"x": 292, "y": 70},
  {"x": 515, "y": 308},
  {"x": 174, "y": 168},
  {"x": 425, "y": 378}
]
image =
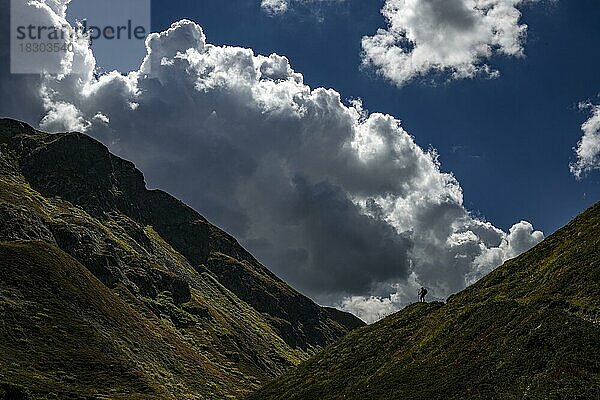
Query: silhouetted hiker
[{"x": 422, "y": 293}]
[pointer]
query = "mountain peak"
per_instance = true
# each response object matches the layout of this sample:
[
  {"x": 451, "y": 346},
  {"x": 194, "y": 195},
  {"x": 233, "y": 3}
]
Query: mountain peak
[
  {"x": 133, "y": 279},
  {"x": 12, "y": 127}
]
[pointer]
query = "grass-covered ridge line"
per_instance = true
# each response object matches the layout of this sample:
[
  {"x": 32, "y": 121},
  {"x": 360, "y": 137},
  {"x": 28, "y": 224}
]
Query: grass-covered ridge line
[
  {"x": 140, "y": 287},
  {"x": 529, "y": 330}
]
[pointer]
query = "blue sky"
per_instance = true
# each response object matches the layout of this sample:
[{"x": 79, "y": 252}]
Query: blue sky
[{"x": 508, "y": 140}]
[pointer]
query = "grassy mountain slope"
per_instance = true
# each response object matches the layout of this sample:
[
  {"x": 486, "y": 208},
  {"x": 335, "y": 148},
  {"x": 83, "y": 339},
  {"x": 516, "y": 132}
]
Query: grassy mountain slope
[
  {"x": 65, "y": 332},
  {"x": 529, "y": 330},
  {"x": 175, "y": 305}
]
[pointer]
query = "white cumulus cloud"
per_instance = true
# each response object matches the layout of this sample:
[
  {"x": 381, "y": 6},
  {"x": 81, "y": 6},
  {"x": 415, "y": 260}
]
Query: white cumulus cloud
[
  {"x": 370, "y": 309},
  {"x": 275, "y": 6},
  {"x": 453, "y": 37},
  {"x": 340, "y": 202},
  {"x": 588, "y": 148}
]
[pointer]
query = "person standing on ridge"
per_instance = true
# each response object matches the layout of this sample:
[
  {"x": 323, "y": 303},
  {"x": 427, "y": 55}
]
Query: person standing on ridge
[{"x": 422, "y": 293}]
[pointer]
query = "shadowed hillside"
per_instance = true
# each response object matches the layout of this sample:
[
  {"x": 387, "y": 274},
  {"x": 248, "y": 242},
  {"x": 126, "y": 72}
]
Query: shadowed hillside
[
  {"x": 529, "y": 330},
  {"x": 111, "y": 290}
]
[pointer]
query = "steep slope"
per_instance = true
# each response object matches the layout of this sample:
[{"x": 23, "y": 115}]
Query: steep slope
[
  {"x": 66, "y": 332},
  {"x": 182, "y": 310},
  {"x": 529, "y": 330}
]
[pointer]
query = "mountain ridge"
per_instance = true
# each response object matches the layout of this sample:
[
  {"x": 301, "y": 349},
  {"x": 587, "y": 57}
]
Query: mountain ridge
[
  {"x": 528, "y": 330},
  {"x": 178, "y": 274}
]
